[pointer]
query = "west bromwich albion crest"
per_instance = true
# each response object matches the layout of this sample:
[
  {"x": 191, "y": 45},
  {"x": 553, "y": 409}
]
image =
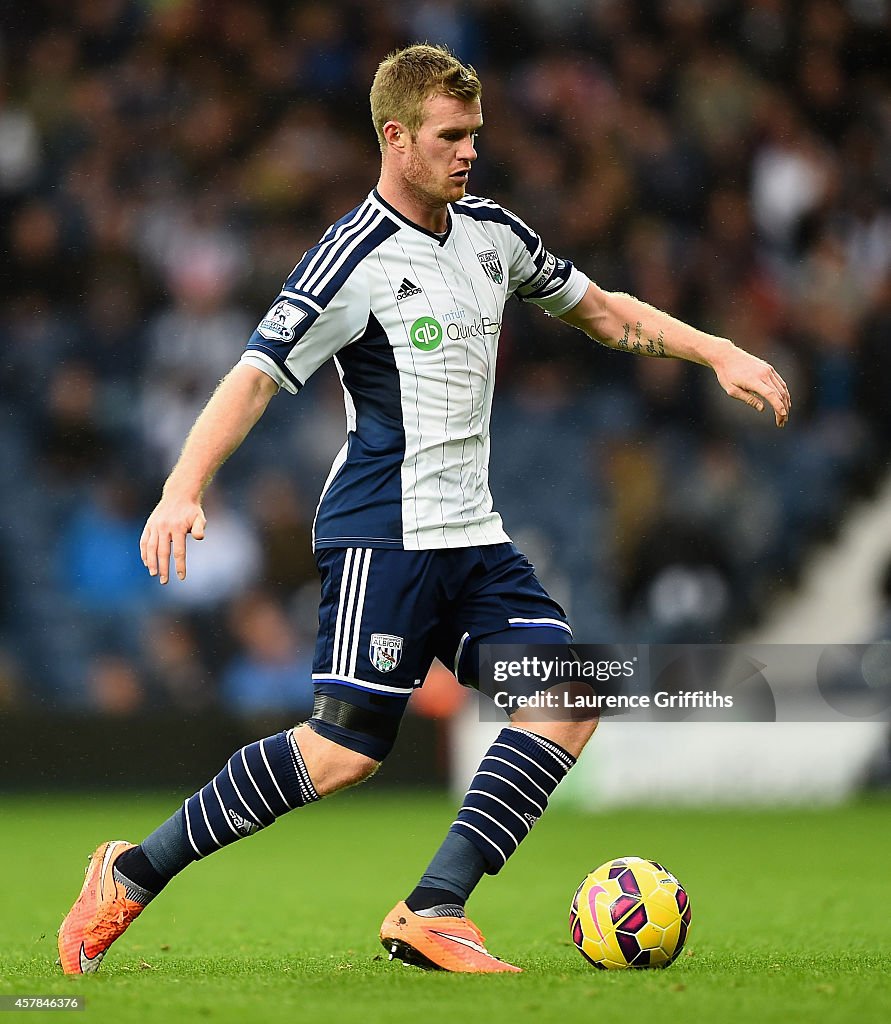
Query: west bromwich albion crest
[
  {"x": 384, "y": 651},
  {"x": 491, "y": 264}
]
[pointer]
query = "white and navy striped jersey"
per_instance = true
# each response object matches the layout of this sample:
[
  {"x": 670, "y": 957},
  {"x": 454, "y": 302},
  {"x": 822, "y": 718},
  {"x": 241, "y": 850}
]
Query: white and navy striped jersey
[{"x": 412, "y": 321}]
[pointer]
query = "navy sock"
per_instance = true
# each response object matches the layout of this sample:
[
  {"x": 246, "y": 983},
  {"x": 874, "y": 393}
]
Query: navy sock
[
  {"x": 133, "y": 866},
  {"x": 451, "y": 876},
  {"x": 423, "y": 897},
  {"x": 258, "y": 784},
  {"x": 508, "y": 794}
]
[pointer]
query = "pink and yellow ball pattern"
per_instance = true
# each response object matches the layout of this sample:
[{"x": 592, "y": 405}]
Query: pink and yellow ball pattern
[{"x": 630, "y": 912}]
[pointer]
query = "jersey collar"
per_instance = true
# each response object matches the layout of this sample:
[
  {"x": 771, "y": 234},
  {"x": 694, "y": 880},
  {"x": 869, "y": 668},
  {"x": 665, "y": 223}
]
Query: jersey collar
[{"x": 441, "y": 239}]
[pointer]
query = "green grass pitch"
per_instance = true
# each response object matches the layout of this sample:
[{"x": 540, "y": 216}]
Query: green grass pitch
[{"x": 790, "y": 916}]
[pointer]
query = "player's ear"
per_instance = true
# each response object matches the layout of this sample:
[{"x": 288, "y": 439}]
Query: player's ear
[{"x": 395, "y": 134}]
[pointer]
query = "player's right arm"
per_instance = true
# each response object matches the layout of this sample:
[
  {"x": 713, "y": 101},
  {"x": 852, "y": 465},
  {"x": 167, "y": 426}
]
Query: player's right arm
[
  {"x": 324, "y": 305},
  {"x": 233, "y": 409}
]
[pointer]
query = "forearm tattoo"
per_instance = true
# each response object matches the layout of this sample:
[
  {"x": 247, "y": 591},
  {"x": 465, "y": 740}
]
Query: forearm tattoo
[{"x": 653, "y": 347}]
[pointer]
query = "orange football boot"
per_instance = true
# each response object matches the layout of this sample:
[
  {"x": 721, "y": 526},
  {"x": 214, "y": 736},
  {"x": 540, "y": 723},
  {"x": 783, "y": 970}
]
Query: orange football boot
[
  {"x": 100, "y": 914},
  {"x": 442, "y": 943}
]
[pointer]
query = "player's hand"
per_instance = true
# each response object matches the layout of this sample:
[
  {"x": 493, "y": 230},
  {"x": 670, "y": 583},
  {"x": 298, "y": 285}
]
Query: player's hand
[
  {"x": 167, "y": 528},
  {"x": 753, "y": 381}
]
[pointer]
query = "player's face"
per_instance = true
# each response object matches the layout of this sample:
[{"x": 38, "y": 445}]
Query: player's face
[{"x": 439, "y": 158}]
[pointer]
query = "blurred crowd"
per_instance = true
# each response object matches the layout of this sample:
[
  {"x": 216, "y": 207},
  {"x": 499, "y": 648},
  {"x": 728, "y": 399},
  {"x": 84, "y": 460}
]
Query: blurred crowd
[{"x": 164, "y": 164}]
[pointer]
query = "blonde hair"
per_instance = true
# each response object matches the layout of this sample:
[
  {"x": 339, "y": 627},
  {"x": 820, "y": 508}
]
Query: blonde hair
[{"x": 409, "y": 77}]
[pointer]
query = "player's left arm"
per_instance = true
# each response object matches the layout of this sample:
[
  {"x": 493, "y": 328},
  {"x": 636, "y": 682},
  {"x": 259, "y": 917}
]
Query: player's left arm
[{"x": 624, "y": 323}]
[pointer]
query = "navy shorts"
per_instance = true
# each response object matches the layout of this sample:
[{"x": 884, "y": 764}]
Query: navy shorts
[{"x": 386, "y": 614}]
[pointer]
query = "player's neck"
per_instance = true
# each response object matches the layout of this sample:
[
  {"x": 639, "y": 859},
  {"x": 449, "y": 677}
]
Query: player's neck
[{"x": 430, "y": 215}]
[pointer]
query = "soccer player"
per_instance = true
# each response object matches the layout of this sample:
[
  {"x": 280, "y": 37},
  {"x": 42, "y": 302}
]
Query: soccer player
[{"x": 406, "y": 294}]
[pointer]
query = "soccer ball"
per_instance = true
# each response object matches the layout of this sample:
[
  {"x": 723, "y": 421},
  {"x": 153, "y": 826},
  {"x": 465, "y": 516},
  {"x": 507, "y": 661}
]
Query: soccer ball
[{"x": 630, "y": 912}]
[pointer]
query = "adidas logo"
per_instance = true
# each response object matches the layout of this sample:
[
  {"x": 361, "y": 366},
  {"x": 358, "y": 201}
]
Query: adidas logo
[
  {"x": 407, "y": 289},
  {"x": 244, "y": 826}
]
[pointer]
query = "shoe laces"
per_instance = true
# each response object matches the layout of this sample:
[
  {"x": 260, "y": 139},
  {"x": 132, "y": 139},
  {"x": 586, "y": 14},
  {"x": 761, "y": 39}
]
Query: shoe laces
[
  {"x": 477, "y": 934},
  {"x": 113, "y": 919}
]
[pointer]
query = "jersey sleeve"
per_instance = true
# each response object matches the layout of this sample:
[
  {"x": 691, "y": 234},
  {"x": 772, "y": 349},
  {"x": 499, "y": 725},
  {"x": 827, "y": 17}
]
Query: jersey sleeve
[
  {"x": 324, "y": 304},
  {"x": 297, "y": 334},
  {"x": 537, "y": 275}
]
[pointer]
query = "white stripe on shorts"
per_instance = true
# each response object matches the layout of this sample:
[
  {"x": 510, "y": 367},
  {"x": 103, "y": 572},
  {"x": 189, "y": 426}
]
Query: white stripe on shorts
[
  {"x": 360, "y": 607},
  {"x": 361, "y": 684},
  {"x": 558, "y": 623},
  {"x": 338, "y": 626},
  {"x": 349, "y": 614}
]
